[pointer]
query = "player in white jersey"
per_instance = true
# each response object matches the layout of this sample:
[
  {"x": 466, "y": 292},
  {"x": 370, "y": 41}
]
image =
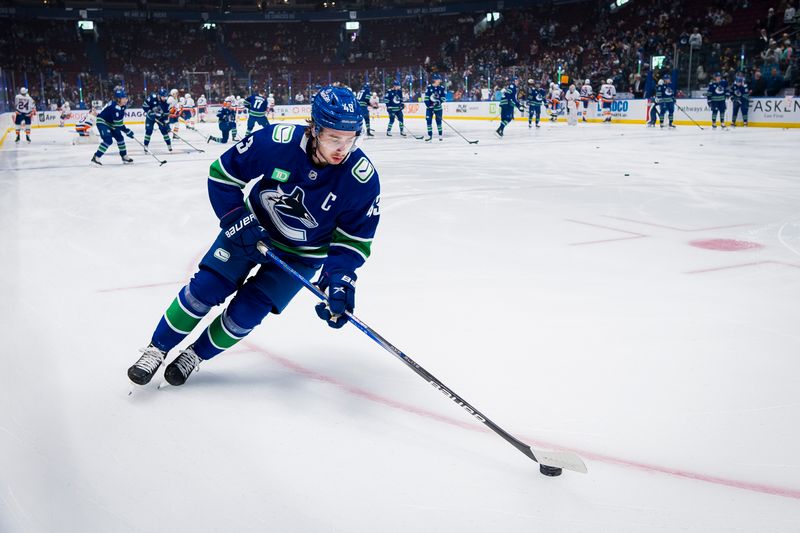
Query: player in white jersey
[
  {"x": 174, "y": 111},
  {"x": 189, "y": 111},
  {"x": 271, "y": 106},
  {"x": 607, "y": 95},
  {"x": 25, "y": 108},
  {"x": 374, "y": 105},
  {"x": 202, "y": 107},
  {"x": 587, "y": 95},
  {"x": 65, "y": 114},
  {"x": 572, "y": 99},
  {"x": 84, "y": 128},
  {"x": 554, "y": 96}
]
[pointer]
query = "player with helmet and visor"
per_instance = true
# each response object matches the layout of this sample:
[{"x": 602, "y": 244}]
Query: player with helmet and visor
[{"x": 314, "y": 202}]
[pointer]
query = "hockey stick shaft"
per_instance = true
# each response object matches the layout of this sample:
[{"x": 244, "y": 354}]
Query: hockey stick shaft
[
  {"x": 160, "y": 161},
  {"x": 417, "y": 137},
  {"x": 459, "y": 133},
  {"x": 190, "y": 145},
  {"x": 567, "y": 460},
  {"x": 690, "y": 116}
]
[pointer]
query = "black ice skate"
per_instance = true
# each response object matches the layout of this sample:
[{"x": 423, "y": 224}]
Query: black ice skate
[
  {"x": 28, "y": 138},
  {"x": 96, "y": 161},
  {"x": 388, "y": 133},
  {"x": 178, "y": 371},
  {"x": 126, "y": 159},
  {"x": 17, "y": 139},
  {"x": 428, "y": 138},
  {"x": 402, "y": 133},
  {"x": 143, "y": 370}
]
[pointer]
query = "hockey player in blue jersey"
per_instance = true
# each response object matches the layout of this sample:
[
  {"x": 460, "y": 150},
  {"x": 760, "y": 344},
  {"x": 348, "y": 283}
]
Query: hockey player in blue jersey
[
  {"x": 226, "y": 121},
  {"x": 256, "y": 105},
  {"x": 363, "y": 105},
  {"x": 110, "y": 124},
  {"x": 395, "y": 106},
  {"x": 535, "y": 99},
  {"x": 314, "y": 201},
  {"x": 156, "y": 111},
  {"x": 435, "y": 96},
  {"x": 716, "y": 95},
  {"x": 740, "y": 96},
  {"x": 665, "y": 96},
  {"x": 507, "y": 104}
]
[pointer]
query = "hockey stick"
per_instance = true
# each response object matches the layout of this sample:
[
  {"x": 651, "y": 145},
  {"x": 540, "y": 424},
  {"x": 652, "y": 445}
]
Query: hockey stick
[
  {"x": 160, "y": 162},
  {"x": 550, "y": 462},
  {"x": 459, "y": 133},
  {"x": 417, "y": 137},
  {"x": 688, "y": 115},
  {"x": 190, "y": 145}
]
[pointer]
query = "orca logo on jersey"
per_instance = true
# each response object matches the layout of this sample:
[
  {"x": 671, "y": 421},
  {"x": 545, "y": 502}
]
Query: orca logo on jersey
[{"x": 278, "y": 205}]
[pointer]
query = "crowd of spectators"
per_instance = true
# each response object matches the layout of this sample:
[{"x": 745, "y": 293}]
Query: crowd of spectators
[{"x": 476, "y": 56}]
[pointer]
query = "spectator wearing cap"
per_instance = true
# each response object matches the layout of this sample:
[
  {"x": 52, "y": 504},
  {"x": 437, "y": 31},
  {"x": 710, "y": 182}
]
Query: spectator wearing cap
[{"x": 696, "y": 39}]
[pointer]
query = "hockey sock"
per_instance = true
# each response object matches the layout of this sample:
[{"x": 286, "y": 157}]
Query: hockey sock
[
  {"x": 101, "y": 150},
  {"x": 220, "y": 335},
  {"x": 166, "y": 140},
  {"x": 179, "y": 320},
  {"x": 146, "y": 139},
  {"x": 123, "y": 150}
]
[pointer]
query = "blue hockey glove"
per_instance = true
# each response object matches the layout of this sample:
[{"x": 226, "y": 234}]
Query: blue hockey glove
[
  {"x": 243, "y": 232},
  {"x": 341, "y": 289},
  {"x": 129, "y": 133}
]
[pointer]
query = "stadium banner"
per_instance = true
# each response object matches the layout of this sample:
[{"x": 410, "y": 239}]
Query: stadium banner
[{"x": 764, "y": 112}]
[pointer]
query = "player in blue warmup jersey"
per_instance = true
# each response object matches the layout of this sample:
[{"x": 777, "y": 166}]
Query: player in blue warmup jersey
[
  {"x": 507, "y": 104},
  {"x": 716, "y": 95},
  {"x": 363, "y": 106},
  {"x": 226, "y": 120},
  {"x": 435, "y": 95},
  {"x": 315, "y": 202},
  {"x": 156, "y": 111},
  {"x": 395, "y": 106},
  {"x": 665, "y": 94},
  {"x": 740, "y": 95},
  {"x": 110, "y": 124},
  {"x": 535, "y": 98},
  {"x": 256, "y": 105}
]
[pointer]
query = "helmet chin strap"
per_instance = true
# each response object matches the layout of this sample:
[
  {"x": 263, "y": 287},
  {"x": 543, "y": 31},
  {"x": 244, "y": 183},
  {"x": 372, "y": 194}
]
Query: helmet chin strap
[{"x": 316, "y": 154}]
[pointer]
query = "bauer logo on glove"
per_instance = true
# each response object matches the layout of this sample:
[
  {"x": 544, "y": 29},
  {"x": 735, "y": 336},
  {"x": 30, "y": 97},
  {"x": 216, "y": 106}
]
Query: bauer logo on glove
[{"x": 341, "y": 291}]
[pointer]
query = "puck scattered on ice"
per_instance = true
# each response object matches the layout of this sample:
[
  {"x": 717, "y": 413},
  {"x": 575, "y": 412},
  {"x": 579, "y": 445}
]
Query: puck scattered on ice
[
  {"x": 627, "y": 174},
  {"x": 551, "y": 471},
  {"x": 655, "y": 162}
]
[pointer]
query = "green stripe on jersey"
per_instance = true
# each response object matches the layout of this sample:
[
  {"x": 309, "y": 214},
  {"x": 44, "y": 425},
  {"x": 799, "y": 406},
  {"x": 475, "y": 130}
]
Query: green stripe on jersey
[
  {"x": 359, "y": 245},
  {"x": 218, "y": 173}
]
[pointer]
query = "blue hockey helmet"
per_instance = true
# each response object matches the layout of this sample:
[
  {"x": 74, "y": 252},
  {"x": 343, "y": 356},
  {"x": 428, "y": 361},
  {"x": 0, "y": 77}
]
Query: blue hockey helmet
[
  {"x": 366, "y": 86},
  {"x": 119, "y": 92},
  {"x": 436, "y": 76},
  {"x": 163, "y": 92},
  {"x": 666, "y": 76},
  {"x": 717, "y": 74},
  {"x": 396, "y": 83},
  {"x": 336, "y": 108}
]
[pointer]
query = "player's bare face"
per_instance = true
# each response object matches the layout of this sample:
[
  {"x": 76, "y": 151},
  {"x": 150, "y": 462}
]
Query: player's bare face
[{"x": 334, "y": 145}]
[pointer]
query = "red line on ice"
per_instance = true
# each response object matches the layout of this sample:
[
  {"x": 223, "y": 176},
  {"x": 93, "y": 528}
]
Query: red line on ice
[
  {"x": 673, "y": 227},
  {"x": 356, "y": 391}
]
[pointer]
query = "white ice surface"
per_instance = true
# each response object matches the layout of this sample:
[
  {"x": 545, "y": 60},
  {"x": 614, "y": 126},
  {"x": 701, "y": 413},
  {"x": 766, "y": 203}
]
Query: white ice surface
[{"x": 546, "y": 277}]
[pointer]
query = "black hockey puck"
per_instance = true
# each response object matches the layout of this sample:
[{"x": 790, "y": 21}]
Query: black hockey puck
[{"x": 551, "y": 471}]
